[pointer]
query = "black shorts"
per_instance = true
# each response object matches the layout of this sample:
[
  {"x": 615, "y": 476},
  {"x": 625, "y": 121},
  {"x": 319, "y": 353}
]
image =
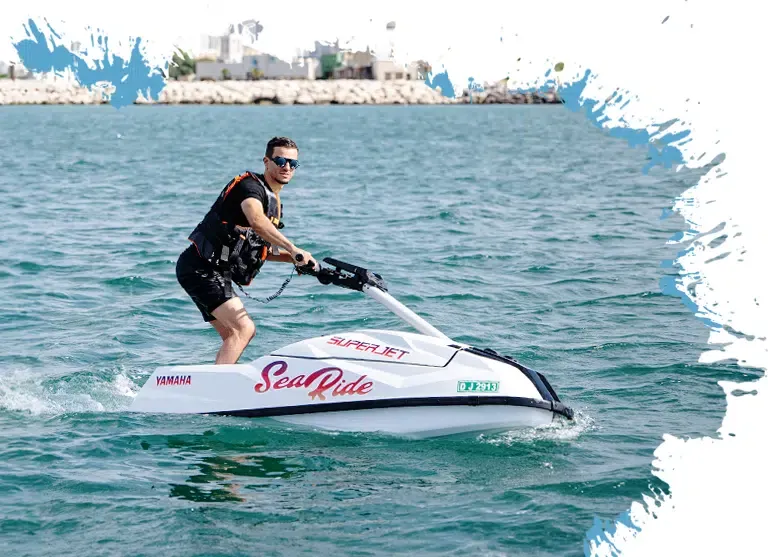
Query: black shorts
[{"x": 202, "y": 282}]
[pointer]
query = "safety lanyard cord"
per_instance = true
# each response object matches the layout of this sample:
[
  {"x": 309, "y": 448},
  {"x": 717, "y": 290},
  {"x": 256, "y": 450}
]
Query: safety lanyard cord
[{"x": 273, "y": 296}]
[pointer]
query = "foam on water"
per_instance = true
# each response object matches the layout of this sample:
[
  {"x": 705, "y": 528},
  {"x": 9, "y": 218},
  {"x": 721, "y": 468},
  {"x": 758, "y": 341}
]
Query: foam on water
[
  {"x": 558, "y": 430},
  {"x": 26, "y": 390}
]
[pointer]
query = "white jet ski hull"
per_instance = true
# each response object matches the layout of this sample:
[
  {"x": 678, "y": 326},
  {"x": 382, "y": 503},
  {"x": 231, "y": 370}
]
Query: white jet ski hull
[
  {"x": 425, "y": 421},
  {"x": 364, "y": 381}
]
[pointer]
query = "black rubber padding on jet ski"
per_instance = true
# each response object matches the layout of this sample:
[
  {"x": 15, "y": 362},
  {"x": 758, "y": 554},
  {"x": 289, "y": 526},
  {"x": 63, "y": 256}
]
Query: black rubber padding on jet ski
[{"x": 542, "y": 385}]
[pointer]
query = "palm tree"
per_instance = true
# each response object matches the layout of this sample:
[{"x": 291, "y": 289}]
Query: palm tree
[{"x": 181, "y": 65}]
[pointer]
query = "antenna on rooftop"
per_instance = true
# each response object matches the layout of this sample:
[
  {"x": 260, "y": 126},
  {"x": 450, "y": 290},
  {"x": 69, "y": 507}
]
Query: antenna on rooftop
[{"x": 390, "y": 28}]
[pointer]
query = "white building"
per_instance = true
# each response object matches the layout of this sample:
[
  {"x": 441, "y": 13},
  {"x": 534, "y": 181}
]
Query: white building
[
  {"x": 263, "y": 66},
  {"x": 271, "y": 67},
  {"x": 223, "y": 48},
  {"x": 386, "y": 70},
  {"x": 232, "y": 48}
]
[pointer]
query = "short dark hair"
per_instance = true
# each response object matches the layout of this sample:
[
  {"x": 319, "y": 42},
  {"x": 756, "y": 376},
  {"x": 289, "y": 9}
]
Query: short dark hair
[{"x": 279, "y": 142}]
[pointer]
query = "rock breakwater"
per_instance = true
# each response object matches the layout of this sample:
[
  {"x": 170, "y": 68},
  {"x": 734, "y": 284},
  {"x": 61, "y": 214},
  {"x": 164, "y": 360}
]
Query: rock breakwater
[{"x": 307, "y": 92}]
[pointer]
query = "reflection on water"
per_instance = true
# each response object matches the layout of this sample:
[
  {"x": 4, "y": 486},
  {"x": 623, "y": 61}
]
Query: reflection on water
[
  {"x": 218, "y": 478},
  {"x": 235, "y": 462}
]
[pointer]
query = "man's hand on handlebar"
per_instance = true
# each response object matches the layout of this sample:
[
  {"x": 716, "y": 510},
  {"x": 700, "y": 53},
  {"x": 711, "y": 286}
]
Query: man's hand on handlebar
[{"x": 304, "y": 261}]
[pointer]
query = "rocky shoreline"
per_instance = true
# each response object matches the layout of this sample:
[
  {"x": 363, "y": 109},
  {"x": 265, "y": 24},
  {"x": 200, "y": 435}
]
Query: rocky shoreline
[{"x": 283, "y": 92}]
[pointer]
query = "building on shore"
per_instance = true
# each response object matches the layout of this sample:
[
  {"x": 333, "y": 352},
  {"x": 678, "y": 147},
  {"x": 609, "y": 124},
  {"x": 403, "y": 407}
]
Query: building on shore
[
  {"x": 258, "y": 66},
  {"x": 15, "y": 71},
  {"x": 385, "y": 70},
  {"x": 227, "y": 48},
  {"x": 350, "y": 65},
  {"x": 228, "y": 57},
  {"x": 357, "y": 65}
]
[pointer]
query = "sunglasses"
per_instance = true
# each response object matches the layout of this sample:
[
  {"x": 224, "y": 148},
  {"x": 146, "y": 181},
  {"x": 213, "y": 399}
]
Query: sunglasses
[{"x": 280, "y": 161}]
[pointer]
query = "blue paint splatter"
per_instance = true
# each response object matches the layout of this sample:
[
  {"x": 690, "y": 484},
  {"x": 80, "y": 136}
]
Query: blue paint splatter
[
  {"x": 668, "y": 285},
  {"x": 600, "y": 532},
  {"x": 443, "y": 81},
  {"x": 677, "y": 236},
  {"x": 666, "y": 213},
  {"x": 661, "y": 152},
  {"x": 52, "y": 31},
  {"x": 129, "y": 78}
]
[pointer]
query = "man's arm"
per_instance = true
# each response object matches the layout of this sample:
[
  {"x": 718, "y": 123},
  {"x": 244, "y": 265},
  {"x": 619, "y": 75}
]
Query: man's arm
[
  {"x": 283, "y": 257},
  {"x": 254, "y": 212}
]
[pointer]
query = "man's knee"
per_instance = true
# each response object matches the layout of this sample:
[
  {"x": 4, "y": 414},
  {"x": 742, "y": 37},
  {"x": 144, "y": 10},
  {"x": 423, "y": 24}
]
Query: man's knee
[{"x": 246, "y": 329}]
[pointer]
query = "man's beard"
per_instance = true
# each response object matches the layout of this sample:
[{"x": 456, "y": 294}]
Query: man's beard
[{"x": 282, "y": 179}]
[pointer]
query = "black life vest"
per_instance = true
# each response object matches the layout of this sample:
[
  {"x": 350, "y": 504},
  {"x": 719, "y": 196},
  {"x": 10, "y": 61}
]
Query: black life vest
[{"x": 238, "y": 252}]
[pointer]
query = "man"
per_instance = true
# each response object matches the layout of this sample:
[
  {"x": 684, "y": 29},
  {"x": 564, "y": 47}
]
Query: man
[{"x": 239, "y": 233}]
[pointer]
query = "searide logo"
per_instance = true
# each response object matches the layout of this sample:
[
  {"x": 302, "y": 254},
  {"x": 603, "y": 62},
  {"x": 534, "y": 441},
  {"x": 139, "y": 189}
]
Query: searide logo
[
  {"x": 169, "y": 380},
  {"x": 328, "y": 380}
]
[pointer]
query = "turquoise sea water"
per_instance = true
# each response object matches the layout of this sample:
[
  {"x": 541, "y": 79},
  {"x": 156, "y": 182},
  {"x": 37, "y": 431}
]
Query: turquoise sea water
[{"x": 520, "y": 228}]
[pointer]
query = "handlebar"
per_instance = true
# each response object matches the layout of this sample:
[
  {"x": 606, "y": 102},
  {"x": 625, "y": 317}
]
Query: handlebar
[
  {"x": 307, "y": 269},
  {"x": 344, "y": 274}
]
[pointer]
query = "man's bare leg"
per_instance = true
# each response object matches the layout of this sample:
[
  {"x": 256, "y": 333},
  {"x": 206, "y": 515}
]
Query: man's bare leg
[
  {"x": 223, "y": 330},
  {"x": 235, "y": 328}
]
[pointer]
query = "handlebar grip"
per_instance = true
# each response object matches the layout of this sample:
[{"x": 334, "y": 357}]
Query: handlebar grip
[{"x": 306, "y": 269}]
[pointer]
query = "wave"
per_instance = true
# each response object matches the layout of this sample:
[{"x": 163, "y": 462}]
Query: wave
[{"x": 23, "y": 390}]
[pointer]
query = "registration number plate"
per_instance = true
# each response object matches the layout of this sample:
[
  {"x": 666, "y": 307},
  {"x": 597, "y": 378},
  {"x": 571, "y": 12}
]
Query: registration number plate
[{"x": 477, "y": 387}]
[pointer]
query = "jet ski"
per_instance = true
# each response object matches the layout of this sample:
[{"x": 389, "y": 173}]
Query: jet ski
[{"x": 408, "y": 384}]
